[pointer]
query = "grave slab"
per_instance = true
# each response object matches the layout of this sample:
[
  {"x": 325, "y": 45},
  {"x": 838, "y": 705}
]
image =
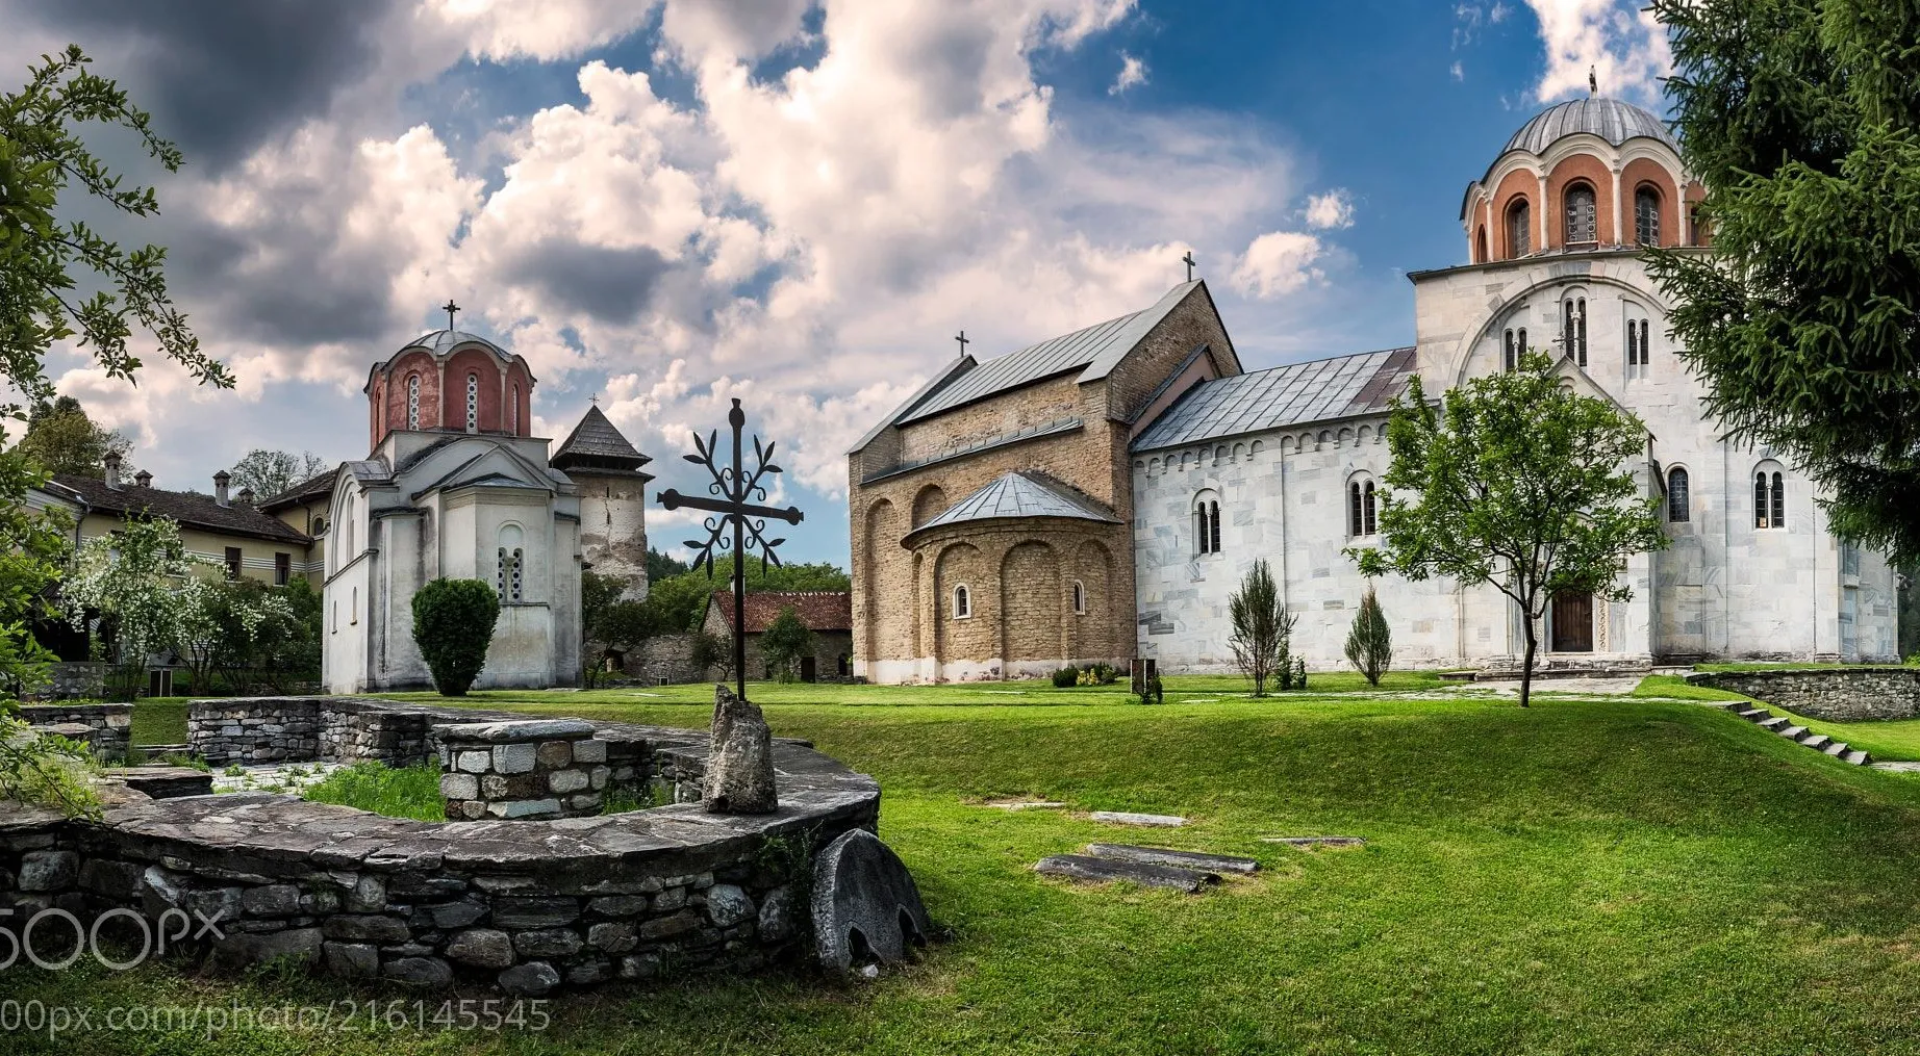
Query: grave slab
[
  {"x": 1108, "y": 870},
  {"x": 1208, "y": 863},
  {"x": 1120, "y": 817}
]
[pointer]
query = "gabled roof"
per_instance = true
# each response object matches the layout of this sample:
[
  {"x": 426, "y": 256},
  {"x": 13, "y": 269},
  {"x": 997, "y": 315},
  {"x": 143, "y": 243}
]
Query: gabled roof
[
  {"x": 1093, "y": 351},
  {"x": 1294, "y": 394},
  {"x": 596, "y": 443},
  {"x": 312, "y": 489},
  {"x": 820, "y": 610},
  {"x": 196, "y": 511},
  {"x": 1022, "y": 493}
]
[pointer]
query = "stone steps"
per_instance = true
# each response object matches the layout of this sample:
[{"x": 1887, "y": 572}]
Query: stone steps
[{"x": 1785, "y": 727}]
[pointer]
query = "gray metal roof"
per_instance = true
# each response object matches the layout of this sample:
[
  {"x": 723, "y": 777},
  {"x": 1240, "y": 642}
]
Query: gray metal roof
[
  {"x": 1094, "y": 351},
  {"x": 1610, "y": 119},
  {"x": 1278, "y": 397},
  {"x": 1022, "y": 493},
  {"x": 438, "y": 341}
]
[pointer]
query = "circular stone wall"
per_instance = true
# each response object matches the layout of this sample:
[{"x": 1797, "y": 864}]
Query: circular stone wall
[{"x": 527, "y": 906}]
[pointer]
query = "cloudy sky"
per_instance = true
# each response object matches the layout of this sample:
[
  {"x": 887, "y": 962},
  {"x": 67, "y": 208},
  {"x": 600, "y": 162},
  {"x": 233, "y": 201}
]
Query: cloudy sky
[{"x": 797, "y": 203}]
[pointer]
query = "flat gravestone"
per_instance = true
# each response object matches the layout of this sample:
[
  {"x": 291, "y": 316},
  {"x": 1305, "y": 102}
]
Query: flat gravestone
[
  {"x": 865, "y": 905},
  {"x": 1210, "y": 863},
  {"x": 1108, "y": 870},
  {"x": 1120, "y": 817},
  {"x": 1315, "y": 841},
  {"x": 1027, "y": 804}
]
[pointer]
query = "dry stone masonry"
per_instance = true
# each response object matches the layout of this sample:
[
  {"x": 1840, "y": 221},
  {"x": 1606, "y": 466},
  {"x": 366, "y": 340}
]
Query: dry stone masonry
[
  {"x": 533, "y": 768},
  {"x": 1833, "y": 694},
  {"x": 106, "y": 728},
  {"x": 526, "y": 906}
]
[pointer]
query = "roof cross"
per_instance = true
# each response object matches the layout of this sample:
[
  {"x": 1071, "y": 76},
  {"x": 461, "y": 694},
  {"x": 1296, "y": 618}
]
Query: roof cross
[
  {"x": 1189, "y": 262},
  {"x": 964, "y": 341},
  {"x": 449, "y": 308}
]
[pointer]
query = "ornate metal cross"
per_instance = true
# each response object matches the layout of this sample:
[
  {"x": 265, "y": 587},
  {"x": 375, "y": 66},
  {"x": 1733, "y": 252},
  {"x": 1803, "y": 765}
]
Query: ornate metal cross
[
  {"x": 449, "y": 308},
  {"x": 733, "y": 488}
]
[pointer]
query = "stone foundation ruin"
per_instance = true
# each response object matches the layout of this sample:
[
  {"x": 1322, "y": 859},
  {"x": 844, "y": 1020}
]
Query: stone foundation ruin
[{"x": 527, "y": 906}]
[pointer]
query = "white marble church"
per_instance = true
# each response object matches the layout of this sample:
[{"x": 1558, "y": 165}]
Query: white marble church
[
  {"x": 456, "y": 486},
  {"x": 1285, "y": 464}
]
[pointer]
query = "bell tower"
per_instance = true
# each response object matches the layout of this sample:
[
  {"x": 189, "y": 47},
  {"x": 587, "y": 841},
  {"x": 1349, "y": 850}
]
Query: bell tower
[{"x": 613, "y": 500}]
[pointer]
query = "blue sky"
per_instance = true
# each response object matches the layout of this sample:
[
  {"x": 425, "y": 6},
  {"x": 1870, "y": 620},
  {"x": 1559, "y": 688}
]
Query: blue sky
[{"x": 673, "y": 203}]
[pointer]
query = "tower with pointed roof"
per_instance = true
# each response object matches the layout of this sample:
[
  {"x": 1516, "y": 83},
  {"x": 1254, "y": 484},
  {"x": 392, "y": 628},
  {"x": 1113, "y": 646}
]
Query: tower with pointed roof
[
  {"x": 613, "y": 500},
  {"x": 457, "y": 486}
]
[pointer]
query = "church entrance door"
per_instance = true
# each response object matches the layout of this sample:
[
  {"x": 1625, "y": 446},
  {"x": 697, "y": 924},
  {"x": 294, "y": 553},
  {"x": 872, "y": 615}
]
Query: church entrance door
[
  {"x": 1572, "y": 623},
  {"x": 809, "y": 669}
]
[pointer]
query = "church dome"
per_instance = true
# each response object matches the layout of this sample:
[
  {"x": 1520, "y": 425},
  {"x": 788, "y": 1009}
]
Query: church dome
[
  {"x": 1610, "y": 119},
  {"x": 441, "y": 341}
]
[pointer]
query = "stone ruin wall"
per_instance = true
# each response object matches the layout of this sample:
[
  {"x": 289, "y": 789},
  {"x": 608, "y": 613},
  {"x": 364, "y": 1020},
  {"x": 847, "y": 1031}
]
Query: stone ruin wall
[
  {"x": 109, "y": 726},
  {"x": 528, "y": 907},
  {"x": 1834, "y": 694}
]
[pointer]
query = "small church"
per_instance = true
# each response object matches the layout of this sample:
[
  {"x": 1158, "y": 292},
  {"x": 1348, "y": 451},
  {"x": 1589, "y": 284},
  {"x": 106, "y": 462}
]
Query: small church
[
  {"x": 456, "y": 486},
  {"x": 1099, "y": 496}
]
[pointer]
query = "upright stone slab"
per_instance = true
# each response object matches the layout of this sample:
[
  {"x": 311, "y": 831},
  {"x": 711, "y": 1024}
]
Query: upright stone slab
[
  {"x": 739, "y": 777},
  {"x": 865, "y": 903},
  {"x": 537, "y": 768}
]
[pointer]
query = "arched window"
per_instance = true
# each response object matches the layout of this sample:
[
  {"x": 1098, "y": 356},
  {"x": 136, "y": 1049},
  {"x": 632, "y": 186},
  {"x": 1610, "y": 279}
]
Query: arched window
[
  {"x": 1679, "y": 504},
  {"x": 1769, "y": 498},
  {"x": 336, "y": 617},
  {"x": 413, "y": 401},
  {"x": 1581, "y": 215},
  {"x": 1361, "y": 508},
  {"x": 1573, "y": 328},
  {"x": 353, "y": 607},
  {"x": 473, "y": 403},
  {"x": 513, "y": 413},
  {"x": 1480, "y": 246},
  {"x": 1206, "y": 523},
  {"x": 1636, "y": 343},
  {"x": 1696, "y": 226},
  {"x": 1519, "y": 224},
  {"x": 1079, "y": 597},
  {"x": 962, "y": 602},
  {"x": 1646, "y": 216},
  {"x": 509, "y": 577},
  {"x": 1515, "y": 347}
]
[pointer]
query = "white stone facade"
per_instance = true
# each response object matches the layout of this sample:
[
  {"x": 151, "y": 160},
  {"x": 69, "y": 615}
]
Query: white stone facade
[{"x": 1725, "y": 589}]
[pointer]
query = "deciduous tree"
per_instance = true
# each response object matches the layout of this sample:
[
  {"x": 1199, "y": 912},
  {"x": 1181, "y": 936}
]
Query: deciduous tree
[
  {"x": 268, "y": 473},
  {"x": 1518, "y": 481}
]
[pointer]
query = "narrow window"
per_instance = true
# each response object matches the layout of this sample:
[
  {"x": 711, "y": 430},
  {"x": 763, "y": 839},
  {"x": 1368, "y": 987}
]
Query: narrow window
[
  {"x": 1520, "y": 344},
  {"x": 962, "y": 602},
  {"x": 282, "y": 569},
  {"x": 1079, "y": 598},
  {"x": 1512, "y": 357},
  {"x": 515, "y": 581},
  {"x": 1644, "y": 346},
  {"x": 1356, "y": 520},
  {"x": 1519, "y": 223},
  {"x": 1369, "y": 524},
  {"x": 1679, "y": 506},
  {"x": 353, "y": 607},
  {"x": 473, "y": 403},
  {"x": 1573, "y": 328},
  {"x": 1633, "y": 348},
  {"x": 500, "y": 575},
  {"x": 1646, "y": 216},
  {"x": 1213, "y": 520},
  {"x": 413, "y": 401},
  {"x": 1580, "y": 330},
  {"x": 233, "y": 562},
  {"x": 1779, "y": 502},
  {"x": 1760, "y": 505},
  {"x": 513, "y": 413},
  {"x": 1697, "y": 226},
  {"x": 1580, "y": 215},
  {"x": 336, "y": 618}
]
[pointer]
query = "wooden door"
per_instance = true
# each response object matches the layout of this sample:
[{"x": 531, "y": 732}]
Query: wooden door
[
  {"x": 809, "y": 669},
  {"x": 1572, "y": 623}
]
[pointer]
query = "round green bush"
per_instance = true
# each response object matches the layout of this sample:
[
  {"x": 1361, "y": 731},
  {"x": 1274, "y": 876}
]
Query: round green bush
[
  {"x": 453, "y": 625},
  {"x": 1066, "y": 676}
]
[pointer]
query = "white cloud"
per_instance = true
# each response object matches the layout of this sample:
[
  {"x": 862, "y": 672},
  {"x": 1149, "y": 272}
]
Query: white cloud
[
  {"x": 1625, "y": 47},
  {"x": 1133, "y": 73},
  {"x": 1278, "y": 263},
  {"x": 1331, "y": 210},
  {"x": 1459, "y": 72}
]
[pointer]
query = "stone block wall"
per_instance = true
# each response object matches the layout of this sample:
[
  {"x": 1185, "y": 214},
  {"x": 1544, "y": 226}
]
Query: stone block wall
[
  {"x": 527, "y": 907},
  {"x": 1837, "y": 694},
  {"x": 534, "y": 768},
  {"x": 78, "y": 678},
  {"x": 109, "y": 726},
  {"x": 668, "y": 656}
]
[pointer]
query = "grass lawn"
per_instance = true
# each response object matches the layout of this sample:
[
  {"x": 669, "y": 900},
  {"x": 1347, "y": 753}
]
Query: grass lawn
[{"x": 1627, "y": 876}]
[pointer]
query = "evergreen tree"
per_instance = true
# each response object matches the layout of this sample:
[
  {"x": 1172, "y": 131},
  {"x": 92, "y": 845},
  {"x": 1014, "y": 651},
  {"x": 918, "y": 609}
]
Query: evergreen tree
[
  {"x": 1262, "y": 627},
  {"x": 1801, "y": 118},
  {"x": 1370, "y": 643}
]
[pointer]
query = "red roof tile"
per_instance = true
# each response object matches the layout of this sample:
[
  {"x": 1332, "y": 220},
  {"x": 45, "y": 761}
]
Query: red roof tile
[{"x": 820, "y": 610}]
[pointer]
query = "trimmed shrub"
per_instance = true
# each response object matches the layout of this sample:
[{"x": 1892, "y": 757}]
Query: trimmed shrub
[
  {"x": 1370, "y": 644},
  {"x": 453, "y": 625},
  {"x": 1066, "y": 676}
]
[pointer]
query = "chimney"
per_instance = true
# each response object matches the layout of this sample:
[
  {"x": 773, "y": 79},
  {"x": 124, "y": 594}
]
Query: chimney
[
  {"x": 246, "y": 496},
  {"x": 112, "y": 461},
  {"x": 143, "y": 478},
  {"x": 220, "y": 487}
]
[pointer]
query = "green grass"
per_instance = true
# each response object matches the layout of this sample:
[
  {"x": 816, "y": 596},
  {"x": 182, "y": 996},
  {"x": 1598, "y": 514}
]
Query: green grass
[
  {"x": 160, "y": 720},
  {"x": 395, "y": 792},
  {"x": 1628, "y": 876}
]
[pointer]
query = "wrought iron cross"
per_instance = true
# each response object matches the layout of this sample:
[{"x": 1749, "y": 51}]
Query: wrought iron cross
[
  {"x": 964, "y": 340},
  {"x": 449, "y": 308},
  {"x": 733, "y": 488},
  {"x": 1189, "y": 262}
]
